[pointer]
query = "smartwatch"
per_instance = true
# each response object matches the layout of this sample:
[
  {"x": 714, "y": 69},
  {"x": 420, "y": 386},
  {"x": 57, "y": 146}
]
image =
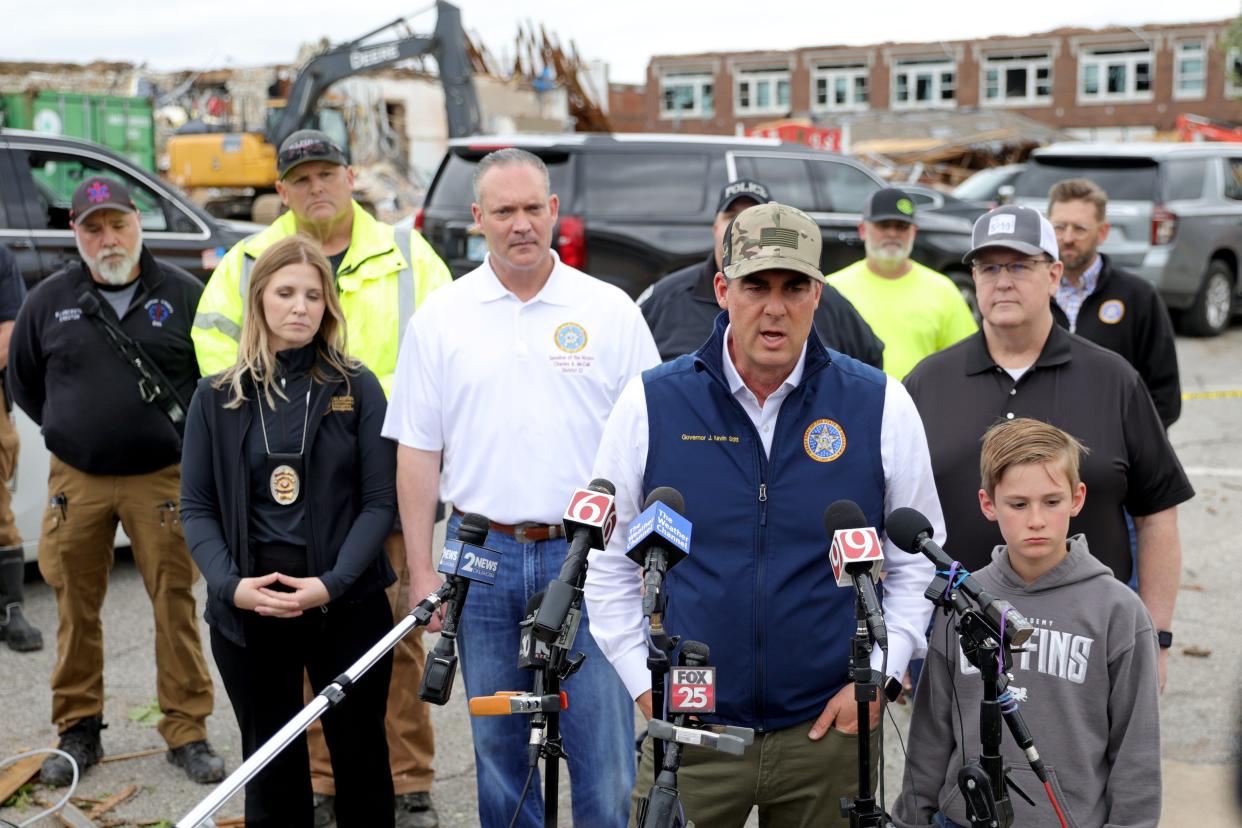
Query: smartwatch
[{"x": 1164, "y": 638}]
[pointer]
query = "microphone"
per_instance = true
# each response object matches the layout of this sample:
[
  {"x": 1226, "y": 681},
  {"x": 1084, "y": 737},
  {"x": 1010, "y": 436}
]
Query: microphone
[
  {"x": 533, "y": 654},
  {"x": 911, "y": 531},
  {"x": 463, "y": 560},
  {"x": 857, "y": 559},
  {"x": 89, "y": 303},
  {"x": 509, "y": 703},
  {"x": 589, "y": 521},
  {"x": 734, "y": 743},
  {"x": 657, "y": 540}
]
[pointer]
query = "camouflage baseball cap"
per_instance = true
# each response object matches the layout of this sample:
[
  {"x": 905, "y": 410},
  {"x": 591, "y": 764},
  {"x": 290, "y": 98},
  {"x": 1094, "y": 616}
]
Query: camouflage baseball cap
[{"x": 772, "y": 237}]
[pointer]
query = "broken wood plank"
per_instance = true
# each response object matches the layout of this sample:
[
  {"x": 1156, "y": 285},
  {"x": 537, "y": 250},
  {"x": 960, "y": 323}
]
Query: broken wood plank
[
  {"x": 71, "y": 817},
  {"x": 138, "y": 754},
  {"x": 112, "y": 801},
  {"x": 18, "y": 774}
]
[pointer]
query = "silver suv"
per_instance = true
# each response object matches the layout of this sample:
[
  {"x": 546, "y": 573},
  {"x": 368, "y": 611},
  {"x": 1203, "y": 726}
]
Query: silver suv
[{"x": 1176, "y": 215}]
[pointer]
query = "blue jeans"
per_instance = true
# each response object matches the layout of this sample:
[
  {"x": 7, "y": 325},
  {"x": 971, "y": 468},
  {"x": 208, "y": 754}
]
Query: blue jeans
[
  {"x": 943, "y": 821},
  {"x": 597, "y": 728}
]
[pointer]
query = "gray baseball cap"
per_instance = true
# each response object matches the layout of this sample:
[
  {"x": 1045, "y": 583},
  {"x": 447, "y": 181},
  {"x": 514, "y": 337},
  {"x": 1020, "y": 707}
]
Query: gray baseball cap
[{"x": 1013, "y": 227}]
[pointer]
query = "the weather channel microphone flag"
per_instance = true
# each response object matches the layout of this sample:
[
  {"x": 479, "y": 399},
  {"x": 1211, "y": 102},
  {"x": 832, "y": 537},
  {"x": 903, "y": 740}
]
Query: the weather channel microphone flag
[
  {"x": 465, "y": 560},
  {"x": 658, "y": 521}
]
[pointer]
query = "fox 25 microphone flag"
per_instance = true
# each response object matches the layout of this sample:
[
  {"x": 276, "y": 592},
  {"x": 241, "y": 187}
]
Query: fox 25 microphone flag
[{"x": 658, "y": 522}]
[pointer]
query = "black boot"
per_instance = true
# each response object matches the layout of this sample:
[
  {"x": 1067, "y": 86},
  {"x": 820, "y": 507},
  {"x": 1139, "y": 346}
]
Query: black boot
[
  {"x": 13, "y": 624},
  {"x": 81, "y": 741}
]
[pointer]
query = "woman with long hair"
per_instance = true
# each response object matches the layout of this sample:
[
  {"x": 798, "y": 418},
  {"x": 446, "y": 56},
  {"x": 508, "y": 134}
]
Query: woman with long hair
[{"x": 286, "y": 497}]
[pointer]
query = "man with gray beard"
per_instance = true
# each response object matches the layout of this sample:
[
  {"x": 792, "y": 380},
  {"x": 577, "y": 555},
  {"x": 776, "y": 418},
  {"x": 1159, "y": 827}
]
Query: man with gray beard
[
  {"x": 114, "y": 434},
  {"x": 914, "y": 310}
]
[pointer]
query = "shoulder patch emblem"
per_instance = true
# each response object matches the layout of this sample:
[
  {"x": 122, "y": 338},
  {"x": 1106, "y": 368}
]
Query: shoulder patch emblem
[
  {"x": 570, "y": 337},
  {"x": 824, "y": 441},
  {"x": 158, "y": 311},
  {"x": 1112, "y": 311}
]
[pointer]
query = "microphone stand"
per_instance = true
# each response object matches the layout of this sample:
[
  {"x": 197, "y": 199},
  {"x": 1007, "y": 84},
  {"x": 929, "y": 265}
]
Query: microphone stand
[
  {"x": 864, "y": 811},
  {"x": 659, "y": 649},
  {"x": 985, "y": 783},
  {"x": 328, "y": 697}
]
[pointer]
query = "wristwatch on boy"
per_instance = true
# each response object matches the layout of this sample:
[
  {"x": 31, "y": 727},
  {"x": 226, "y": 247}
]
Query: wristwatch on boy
[{"x": 1164, "y": 638}]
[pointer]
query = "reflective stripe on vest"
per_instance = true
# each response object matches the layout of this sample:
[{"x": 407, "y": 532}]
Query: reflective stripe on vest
[{"x": 405, "y": 286}]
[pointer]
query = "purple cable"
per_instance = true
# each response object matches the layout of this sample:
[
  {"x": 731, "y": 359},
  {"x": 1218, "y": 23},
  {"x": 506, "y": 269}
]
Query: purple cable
[
  {"x": 952, "y": 572},
  {"x": 1000, "y": 654}
]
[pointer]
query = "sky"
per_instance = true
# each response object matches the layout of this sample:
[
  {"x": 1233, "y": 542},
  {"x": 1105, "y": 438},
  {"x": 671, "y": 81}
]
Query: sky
[{"x": 198, "y": 34}]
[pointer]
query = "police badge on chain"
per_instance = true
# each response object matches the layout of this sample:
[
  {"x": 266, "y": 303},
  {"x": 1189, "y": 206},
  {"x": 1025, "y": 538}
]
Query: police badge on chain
[{"x": 284, "y": 478}]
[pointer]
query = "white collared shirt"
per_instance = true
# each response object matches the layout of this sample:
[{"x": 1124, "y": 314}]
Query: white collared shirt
[
  {"x": 516, "y": 393},
  {"x": 613, "y": 581}
]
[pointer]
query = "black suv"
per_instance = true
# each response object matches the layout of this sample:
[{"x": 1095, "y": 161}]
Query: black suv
[
  {"x": 636, "y": 207},
  {"x": 38, "y": 174}
]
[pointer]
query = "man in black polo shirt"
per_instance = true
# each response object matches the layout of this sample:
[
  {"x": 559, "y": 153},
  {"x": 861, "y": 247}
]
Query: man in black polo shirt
[
  {"x": 1103, "y": 303},
  {"x": 681, "y": 308},
  {"x": 1021, "y": 364}
]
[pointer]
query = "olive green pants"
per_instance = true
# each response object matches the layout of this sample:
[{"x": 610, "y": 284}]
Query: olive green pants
[{"x": 795, "y": 782}]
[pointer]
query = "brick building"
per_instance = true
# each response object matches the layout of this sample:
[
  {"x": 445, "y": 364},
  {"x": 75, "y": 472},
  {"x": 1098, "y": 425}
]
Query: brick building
[{"x": 1107, "y": 84}]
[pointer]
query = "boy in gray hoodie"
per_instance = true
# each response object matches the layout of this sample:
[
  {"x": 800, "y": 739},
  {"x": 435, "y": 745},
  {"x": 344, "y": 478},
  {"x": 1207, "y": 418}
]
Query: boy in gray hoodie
[{"x": 1086, "y": 682}]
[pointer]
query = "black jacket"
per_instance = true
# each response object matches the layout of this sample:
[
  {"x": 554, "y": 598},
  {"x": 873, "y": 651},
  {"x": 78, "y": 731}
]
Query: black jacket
[
  {"x": 349, "y": 491},
  {"x": 69, "y": 380},
  {"x": 1126, "y": 315},
  {"x": 681, "y": 308}
]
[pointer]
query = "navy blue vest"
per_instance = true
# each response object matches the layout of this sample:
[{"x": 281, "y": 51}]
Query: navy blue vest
[{"x": 757, "y": 586}]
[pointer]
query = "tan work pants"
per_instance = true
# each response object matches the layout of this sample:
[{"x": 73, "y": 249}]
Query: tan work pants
[
  {"x": 75, "y": 557},
  {"x": 411, "y": 742},
  {"x": 9, "y": 448}
]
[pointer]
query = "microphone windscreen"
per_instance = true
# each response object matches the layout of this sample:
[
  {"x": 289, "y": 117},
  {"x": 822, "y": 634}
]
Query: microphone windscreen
[
  {"x": 695, "y": 653},
  {"x": 89, "y": 303},
  {"x": 904, "y": 526},
  {"x": 844, "y": 514},
  {"x": 599, "y": 484},
  {"x": 473, "y": 529},
  {"x": 490, "y": 706},
  {"x": 667, "y": 495}
]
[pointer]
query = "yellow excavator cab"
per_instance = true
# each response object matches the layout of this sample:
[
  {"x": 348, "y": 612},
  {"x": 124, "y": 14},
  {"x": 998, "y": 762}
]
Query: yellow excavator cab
[{"x": 234, "y": 159}]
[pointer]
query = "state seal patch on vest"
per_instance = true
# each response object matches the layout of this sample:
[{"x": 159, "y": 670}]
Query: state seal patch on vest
[
  {"x": 570, "y": 337},
  {"x": 1112, "y": 311},
  {"x": 824, "y": 441}
]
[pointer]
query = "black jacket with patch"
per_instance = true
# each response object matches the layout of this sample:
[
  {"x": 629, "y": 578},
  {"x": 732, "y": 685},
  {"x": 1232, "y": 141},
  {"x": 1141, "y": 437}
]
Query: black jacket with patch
[
  {"x": 67, "y": 378},
  {"x": 348, "y": 487},
  {"x": 681, "y": 308},
  {"x": 1126, "y": 315}
]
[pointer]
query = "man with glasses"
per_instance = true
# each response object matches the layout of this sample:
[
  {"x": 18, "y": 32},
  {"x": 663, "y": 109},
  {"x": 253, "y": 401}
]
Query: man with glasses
[
  {"x": 1103, "y": 303},
  {"x": 1021, "y": 364}
]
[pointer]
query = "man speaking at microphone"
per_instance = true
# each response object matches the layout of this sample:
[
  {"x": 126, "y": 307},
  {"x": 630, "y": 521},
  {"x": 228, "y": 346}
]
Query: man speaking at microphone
[
  {"x": 760, "y": 429},
  {"x": 508, "y": 375}
]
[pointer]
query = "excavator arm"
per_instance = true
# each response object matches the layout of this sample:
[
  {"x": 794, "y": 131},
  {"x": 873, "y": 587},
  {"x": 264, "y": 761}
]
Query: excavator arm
[{"x": 447, "y": 45}]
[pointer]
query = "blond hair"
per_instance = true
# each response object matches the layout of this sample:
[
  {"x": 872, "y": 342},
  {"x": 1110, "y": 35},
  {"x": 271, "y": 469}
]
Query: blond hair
[
  {"x": 255, "y": 358},
  {"x": 1079, "y": 189},
  {"x": 1023, "y": 440}
]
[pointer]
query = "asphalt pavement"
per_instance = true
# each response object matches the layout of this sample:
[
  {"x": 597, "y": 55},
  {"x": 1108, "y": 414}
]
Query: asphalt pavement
[{"x": 1200, "y": 709}]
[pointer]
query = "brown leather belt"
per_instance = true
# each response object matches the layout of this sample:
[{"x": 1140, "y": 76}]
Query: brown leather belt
[{"x": 524, "y": 532}]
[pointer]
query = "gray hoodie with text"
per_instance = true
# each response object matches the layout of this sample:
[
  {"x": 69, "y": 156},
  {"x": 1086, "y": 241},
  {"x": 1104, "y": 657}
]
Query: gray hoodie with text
[{"x": 1086, "y": 686}]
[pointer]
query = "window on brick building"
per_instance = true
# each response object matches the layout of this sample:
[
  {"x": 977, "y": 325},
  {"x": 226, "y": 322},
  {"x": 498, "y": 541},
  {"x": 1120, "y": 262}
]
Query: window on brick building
[
  {"x": 686, "y": 96},
  {"x": 1020, "y": 78},
  {"x": 839, "y": 87},
  {"x": 1233, "y": 74},
  {"x": 1115, "y": 74},
  {"x": 921, "y": 83},
  {"x": 761, "y": 92},
  {"x": 1189, "y": 70}
]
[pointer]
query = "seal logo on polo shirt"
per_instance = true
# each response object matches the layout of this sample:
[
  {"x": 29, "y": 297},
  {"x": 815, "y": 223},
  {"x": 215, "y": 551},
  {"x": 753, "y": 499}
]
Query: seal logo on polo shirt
[
  {"x": 824, "y": 441},
  {"x": 158, "y": 311},
  {"x": 570, "y": 337},
  {"x": 1112, "y": 311}
]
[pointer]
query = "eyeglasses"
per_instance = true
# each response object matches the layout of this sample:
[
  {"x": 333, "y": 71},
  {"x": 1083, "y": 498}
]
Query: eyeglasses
[
  {"x": 1076, "y": 230},
  {"x": 1017, "y": 271}
]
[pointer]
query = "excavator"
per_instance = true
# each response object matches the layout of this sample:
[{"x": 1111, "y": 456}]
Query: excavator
[{"x": 233, "y": 175}]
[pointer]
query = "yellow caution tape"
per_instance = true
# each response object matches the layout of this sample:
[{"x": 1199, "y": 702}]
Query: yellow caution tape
[{"x": 1212, "y": 395}]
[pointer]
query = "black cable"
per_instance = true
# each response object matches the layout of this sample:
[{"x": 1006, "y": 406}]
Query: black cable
[
  {"x": 897, "y": 729},
  {"x": 522, "y": 796},
  {"x": 957, "y": 702},
  {"x": 880, "y": 735}
]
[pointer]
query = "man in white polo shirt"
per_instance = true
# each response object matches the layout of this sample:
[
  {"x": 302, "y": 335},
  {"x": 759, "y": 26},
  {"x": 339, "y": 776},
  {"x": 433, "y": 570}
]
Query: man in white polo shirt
[{"x": 508, "y": 376}]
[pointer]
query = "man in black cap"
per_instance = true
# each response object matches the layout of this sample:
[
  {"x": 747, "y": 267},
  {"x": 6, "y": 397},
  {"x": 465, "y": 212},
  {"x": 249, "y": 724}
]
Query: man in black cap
[
  {"x": 1022, "y": 364},
  {"x": 681, "y": 308},
  {"x": 101, "y": 360},
  {"x": 913, "y": 309}
]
